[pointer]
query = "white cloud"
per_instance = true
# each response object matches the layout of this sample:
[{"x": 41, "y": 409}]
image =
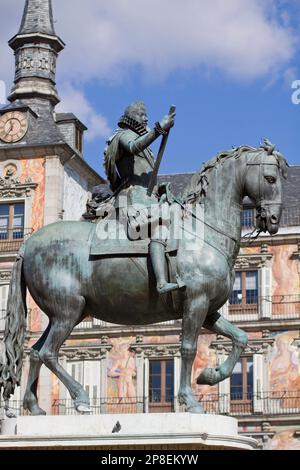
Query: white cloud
[
  {"x": 244, "y": 38},
  {"x": 74, "y": 101}
]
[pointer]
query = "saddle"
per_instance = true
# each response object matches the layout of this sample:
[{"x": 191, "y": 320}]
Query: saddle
[
  {"x": 125, "y": 232},
  {"x": 110, "y": 237}
]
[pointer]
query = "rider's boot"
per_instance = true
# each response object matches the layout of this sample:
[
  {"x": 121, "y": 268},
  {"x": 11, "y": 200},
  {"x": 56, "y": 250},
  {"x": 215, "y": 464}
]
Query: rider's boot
[{"x": 157, "y": 254}]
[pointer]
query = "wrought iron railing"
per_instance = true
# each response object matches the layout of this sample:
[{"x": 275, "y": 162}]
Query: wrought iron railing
[
  {"x": 270, "y": 403},
  {"x": 12, "y": 239},
  {"x": 275, "y": 307},
  {"x": 94, "y": 323},
  {"x": 275, "y": 403}
]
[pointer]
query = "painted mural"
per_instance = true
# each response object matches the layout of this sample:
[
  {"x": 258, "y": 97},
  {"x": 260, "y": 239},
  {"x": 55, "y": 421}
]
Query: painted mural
[
  {"x": 286, "y": 278},
  {"x": 121, "y": 370},
  {"x": 121, "y": 377},
  {"x": 285, "y": 440},
  {"x": 284, "y": 372},
  {"x": 205, "y": 357},
  {"x": 35, "y": 169}
]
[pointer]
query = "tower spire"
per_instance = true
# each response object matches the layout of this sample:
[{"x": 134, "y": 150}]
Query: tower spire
[
  {"x": 36, "y": 47},
  {"x": 37, "y": 18}
]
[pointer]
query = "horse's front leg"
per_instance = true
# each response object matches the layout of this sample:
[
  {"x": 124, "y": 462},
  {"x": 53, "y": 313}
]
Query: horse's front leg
[
  {"x": 194, "y": 315},
  {"x": 218, "y": 324}
]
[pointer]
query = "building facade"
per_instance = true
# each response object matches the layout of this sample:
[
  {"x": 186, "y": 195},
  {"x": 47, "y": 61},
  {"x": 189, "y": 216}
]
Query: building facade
[{"x": 44, "y": 178}]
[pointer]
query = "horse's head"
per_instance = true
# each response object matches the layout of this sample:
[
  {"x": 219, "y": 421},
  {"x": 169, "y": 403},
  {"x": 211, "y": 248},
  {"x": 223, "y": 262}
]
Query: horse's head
[{"x": 263, "y": 185}]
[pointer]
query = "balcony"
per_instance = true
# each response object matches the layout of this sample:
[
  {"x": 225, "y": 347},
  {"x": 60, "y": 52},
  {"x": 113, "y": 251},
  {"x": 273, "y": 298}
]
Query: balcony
[
  {"x": 276, "y": 307},
  {"x": 268, "y": 403},
  {"x": 94, "y": 324},
  {"x": 12, "y": 239},
  {"x": 272, "y": 403}
]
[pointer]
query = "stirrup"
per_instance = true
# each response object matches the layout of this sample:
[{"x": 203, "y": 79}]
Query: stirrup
[{"x": 167, "y": 287}]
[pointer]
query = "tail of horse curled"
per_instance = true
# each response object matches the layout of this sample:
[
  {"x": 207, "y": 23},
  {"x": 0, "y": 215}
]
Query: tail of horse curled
[{"x": 15, "y": 328}]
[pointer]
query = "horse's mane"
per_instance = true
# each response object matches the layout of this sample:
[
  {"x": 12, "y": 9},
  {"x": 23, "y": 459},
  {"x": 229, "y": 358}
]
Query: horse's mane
[{"x": 197, "y": 188}]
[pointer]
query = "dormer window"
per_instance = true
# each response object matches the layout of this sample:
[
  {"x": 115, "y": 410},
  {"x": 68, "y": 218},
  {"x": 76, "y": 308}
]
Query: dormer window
[
  {"x": 72, "y": 130},
  {"x": 78, "y": 143}
]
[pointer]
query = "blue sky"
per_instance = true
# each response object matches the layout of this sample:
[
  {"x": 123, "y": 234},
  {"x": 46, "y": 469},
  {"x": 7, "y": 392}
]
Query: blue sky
[{"x": 228, "y": 66}]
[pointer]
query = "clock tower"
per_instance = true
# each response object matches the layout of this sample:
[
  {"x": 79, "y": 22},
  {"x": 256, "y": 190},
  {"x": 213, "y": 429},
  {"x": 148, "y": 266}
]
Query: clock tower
[{"x": 43, "y": 175}]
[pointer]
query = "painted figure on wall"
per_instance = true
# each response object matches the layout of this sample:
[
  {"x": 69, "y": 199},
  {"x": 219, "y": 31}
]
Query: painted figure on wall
[
  {"x": 284, "y": 441},
  {"x": 205, "y": 357},
  {"x": 284, "y": 371},
  {"x": 284, "y": 364},
  {"x": 123, "y": 369}
]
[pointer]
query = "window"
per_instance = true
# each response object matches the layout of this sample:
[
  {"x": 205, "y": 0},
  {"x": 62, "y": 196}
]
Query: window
[
  {"x": 78, "y": 140},
  {"x": 248, "y": 217},
  {"x": 3, "y": 301},
  {"x": 11, "y": 221},
  {"x": 245, "y": 290},
  {"x": 161, "y": 386},
  {"x": 241, "y": 382},
  {"x": 87, "y": 373}
]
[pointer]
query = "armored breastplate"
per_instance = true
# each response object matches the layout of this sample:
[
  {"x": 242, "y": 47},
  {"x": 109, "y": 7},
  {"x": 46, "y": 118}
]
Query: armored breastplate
[{"x": 136, "y": 169}]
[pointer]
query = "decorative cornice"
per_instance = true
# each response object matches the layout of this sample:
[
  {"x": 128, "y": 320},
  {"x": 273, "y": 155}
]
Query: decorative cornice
[
  {"x": 12, "y": 187},
  {"x": 156, "y": 350},
  {"x": 255, "y": 346},
  {"x": 5, "y": 276},
  {"x": 62, "y": 150},
  {"x": 256, "y": 260},
  {"x": 92, "y": 353}
]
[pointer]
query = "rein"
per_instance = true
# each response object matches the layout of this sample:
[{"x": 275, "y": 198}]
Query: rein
[{"x": 205, "y": 223}]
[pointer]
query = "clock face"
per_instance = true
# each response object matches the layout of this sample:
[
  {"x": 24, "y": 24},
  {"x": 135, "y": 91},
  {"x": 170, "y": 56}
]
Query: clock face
[{"x": 13, "y": 126}]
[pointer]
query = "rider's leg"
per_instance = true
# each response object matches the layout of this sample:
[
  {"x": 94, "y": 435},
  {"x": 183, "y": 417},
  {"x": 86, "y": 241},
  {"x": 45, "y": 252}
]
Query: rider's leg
[
  {"x": 157, "y": 254},
  {"x": 160, "y": 223}
]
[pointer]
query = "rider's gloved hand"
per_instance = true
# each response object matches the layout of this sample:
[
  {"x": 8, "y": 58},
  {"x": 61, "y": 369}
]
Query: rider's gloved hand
[{"x": 168, "y": 121}]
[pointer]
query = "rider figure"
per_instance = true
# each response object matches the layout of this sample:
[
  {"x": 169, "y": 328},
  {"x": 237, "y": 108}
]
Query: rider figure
[{"x": 129, "y": 163}]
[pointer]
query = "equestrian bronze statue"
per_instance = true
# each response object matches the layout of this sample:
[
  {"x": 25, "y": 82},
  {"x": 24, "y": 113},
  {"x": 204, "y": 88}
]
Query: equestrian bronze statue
[{"x": 72, "y": 273}]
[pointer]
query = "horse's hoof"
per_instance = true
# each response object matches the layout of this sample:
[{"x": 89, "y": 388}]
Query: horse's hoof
[
  {"x": 38, "y": 412},
  {"x": 35, "y": 410},
  {"x": 83, "y": 409},
  {"x": 209, "y": 377},
  {"x": 195, "y": 409},
  {"x": 10, "y": 413}
]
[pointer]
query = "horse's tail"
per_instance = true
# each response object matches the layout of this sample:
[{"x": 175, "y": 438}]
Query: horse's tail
[{"x": 15, "y": 328}]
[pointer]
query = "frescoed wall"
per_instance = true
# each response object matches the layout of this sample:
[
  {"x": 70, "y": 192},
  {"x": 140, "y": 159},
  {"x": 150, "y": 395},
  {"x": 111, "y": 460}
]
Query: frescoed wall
[
  {"x": 286, "y": 278},
  {"x": 35, "y": 169},
  {"x": 285, "y": 440},
  {"x": 121, "y": 371},
  {"x": 284, "y": 368},
  {"x": 205, "y": 357}
]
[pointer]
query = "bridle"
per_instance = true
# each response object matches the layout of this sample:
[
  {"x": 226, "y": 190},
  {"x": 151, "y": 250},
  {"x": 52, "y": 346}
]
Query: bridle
[{"x": 261, "y": 202}]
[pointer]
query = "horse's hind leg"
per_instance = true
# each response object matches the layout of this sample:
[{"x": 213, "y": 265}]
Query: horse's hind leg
[
  {"x": 194, "y": 315},
  {"x": 30, "y": 401},
  {"x": 62, "y": 325},
  {"x": 218, "y": 324}
]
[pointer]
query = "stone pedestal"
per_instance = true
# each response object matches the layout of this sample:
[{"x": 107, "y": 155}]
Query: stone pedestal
[{"x": 176, "y": 431}]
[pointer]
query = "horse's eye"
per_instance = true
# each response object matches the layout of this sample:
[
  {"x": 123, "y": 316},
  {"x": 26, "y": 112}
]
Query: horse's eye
[{"x": 270, "y": 179}]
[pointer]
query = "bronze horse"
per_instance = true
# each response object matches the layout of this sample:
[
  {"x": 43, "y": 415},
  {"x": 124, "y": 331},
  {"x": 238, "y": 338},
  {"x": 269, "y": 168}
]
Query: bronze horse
[{"x": 69, "y": 285}]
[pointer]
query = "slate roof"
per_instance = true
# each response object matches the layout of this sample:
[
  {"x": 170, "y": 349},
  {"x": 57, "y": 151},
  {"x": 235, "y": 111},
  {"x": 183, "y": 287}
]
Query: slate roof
[
  {"x": 69, "y": 117},
  {"x": 291, "y": 186},
  {"x": 37, "y": 18}
]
